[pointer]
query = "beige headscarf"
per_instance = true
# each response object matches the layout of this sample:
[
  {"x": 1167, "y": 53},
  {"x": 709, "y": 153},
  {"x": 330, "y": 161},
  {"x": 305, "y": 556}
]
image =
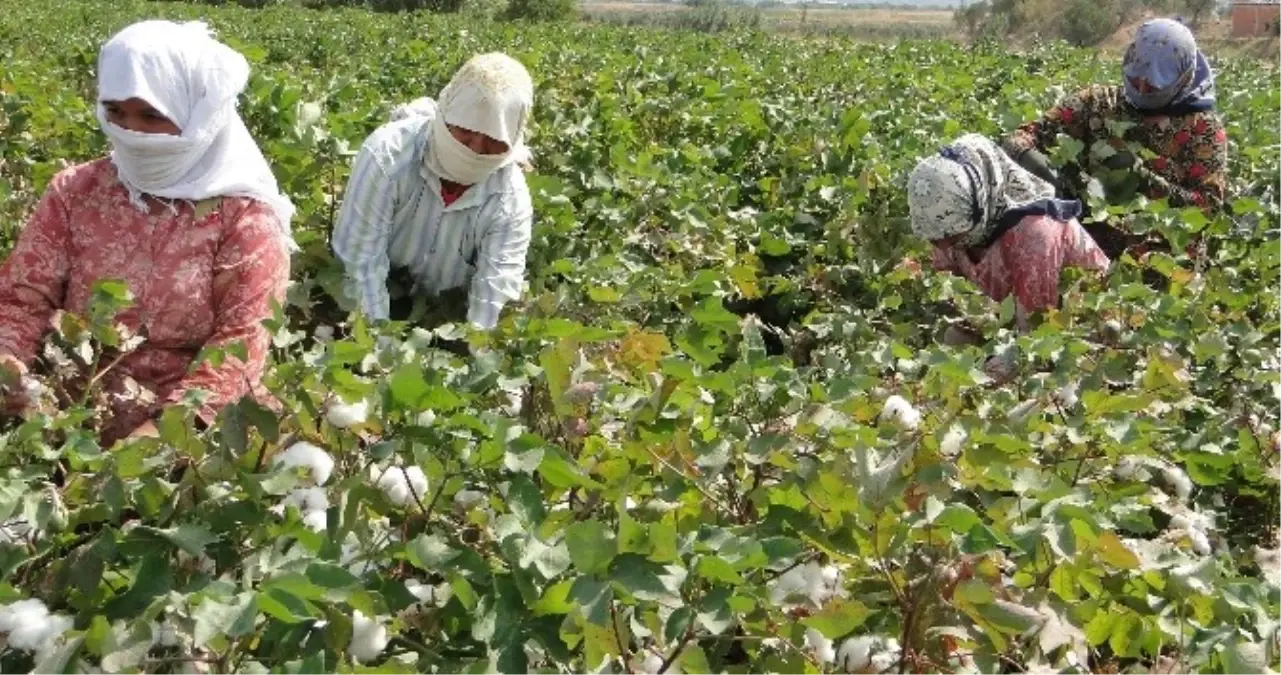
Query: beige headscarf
[{"x": 491, "y": 94}]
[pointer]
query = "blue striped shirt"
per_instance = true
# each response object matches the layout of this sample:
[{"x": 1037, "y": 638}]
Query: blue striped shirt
[{"x": 392, "y": 214}]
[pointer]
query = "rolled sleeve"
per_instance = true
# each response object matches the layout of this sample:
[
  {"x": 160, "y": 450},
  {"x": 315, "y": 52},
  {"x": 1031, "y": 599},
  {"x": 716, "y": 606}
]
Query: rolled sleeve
[
  {"x": 362, "y": 231},
  {"x": 500, "y": 267}
]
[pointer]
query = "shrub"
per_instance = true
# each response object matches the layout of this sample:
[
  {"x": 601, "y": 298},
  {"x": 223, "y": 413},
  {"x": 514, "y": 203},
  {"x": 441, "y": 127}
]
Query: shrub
[{"x": 541, "y": 10}]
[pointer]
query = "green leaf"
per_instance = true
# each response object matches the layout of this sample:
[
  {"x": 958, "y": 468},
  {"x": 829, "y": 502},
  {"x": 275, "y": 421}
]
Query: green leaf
[
  {"x": 214, "y": 618},
  {"x": 838, "y": 617},
  {"x": 430, "y": 553},
  {"x": 555, "y": 600},
  {"x": 714, "y": 568},
  {"x": 959, "y": 518},
  {"x": 326, "y": 575},
  {"x": 591, "y": 546}
]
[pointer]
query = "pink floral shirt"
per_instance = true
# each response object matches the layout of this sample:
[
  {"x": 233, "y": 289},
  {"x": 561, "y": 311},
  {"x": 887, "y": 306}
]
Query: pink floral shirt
[
  {"x": 204, "y": 276},
  {"x": 1027, "y": 261}
]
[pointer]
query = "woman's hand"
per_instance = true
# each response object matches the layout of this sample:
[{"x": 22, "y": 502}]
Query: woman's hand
[{"x": 14, "y": 399}]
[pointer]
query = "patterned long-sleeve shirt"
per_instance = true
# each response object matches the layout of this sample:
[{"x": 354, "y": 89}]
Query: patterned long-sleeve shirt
[
  {"x": 393, "y": 213},
  {"x": 1027, "y": 261},
  {"x": 203, "y": 276},
  {"x": 1191, "y": 149}
]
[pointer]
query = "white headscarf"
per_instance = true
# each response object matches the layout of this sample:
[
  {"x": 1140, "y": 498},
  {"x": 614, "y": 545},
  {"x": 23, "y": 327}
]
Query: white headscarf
[
  {"x": 491, "y": 94},
  {"x": 970, "y": 186},
  {"x": 192, "y": 79}
]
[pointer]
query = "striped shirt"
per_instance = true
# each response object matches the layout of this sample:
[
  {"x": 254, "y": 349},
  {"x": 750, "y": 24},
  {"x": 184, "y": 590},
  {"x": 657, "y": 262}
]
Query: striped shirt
[{"x": 393, "y": 214}]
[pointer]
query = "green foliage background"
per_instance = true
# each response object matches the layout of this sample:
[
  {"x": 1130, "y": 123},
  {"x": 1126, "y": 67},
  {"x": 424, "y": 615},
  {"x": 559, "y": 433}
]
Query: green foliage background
[{"x": 650, "y": 459}]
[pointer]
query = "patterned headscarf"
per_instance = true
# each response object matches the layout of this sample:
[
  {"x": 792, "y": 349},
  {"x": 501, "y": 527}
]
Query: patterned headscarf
[
  {"x": 1164, "y": 52},
  {"x": 973, "y": 188}
]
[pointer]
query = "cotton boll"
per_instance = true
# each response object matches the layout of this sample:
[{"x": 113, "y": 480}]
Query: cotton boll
[
  {"x": 1178, "y": 481},
  {"x": 820, "y": 582},
  {"x": 425, "y": 418},
  {"x": 901, "y": 413},
  {"x": 1067, "y": 395},
  {"x": 165, "y": 635},
  {"x": 1200, "y": 542},
  {"x": 650, "y": 665},
  {"x": 791, "y": 582},
  {"x": 855, "y": 654},
  {"x": 316, "y": 521},
  {"x": 306, "y": 455},
  {"x": 952, "y": 442},
  {"x": 33, "y": 628},
  {"x": 307, "y": 499},
  {"x": 884, "y": 661},
  {"x": 324, "y": 333},
  {"x": 344, "y": 415},
  {"x": 820, "y": 646},
  {"x": 368, "y": 638},
  {"x": 1127, "y": 468},
  {"x": 402, "y": 484},
  {"x": 31, "y": 610}
]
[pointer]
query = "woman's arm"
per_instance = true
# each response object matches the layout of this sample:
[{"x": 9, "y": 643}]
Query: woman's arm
[
  {"x": 1201, "y": 159},
  {"x": 500, "y": 267},
  {"x": 360, "y": 236},
  {"x": 251, "y": 269},
  {"x": 33, "y": 278}
]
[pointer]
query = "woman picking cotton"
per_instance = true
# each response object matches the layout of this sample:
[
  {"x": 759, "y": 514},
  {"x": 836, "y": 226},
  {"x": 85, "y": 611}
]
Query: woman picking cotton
[
  {"x": 997, "y": 225},
  {"x": 185, "y": 210},
  {"x": 1165, "y": 106},
  {"x": 437, "y": 198}
]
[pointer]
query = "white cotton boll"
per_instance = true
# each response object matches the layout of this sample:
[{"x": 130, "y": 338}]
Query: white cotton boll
[
  {"x": 165, "y": 635},
  {"x": 368, "y": 638},
  {"x": 821, "y": 647},
  {"x": 343, "y": 415},
  {"x": 419, "y": 590},
  {"x": 1067, "y": 395},
  {"x": 855, "y": 654},
  {"x": 23, "y": 611},
  {"x": 306, "y": 455},
  {"x": 650, "y": 665},
  {"x": 1178, "y": 481},
  {"x": 821, "y": 582},
  {"x": 791, "y": 582},
  {"x": 952, "y": 442},
  {"x": 34, "y": 628},
  {"x": 307, "y": 499},
  {"x": 468, "y": 499},
  {"x": 1127, "y": 468},
  {"x": 1200, "y": 542},
  {"x": 324, "y": 333},
  {"x": 425, "y": 418},
  {"x": 316, "y": 521},
  {"x": 396, "y": 483},
  {"x": 883, "y": 661},
  {"x": 901, "y": 413}
]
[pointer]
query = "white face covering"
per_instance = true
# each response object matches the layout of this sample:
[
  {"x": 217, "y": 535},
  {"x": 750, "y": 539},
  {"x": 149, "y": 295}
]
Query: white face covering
[
  {"x": 492, "y": 94},
  {"x": 193, "y": 80}
]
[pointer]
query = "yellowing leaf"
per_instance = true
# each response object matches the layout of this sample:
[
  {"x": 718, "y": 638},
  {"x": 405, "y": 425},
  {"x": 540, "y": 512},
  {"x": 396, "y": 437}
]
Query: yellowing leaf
[
  {"x": 644, "y": 349},
  {"x": 1114, "y": 553}
]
